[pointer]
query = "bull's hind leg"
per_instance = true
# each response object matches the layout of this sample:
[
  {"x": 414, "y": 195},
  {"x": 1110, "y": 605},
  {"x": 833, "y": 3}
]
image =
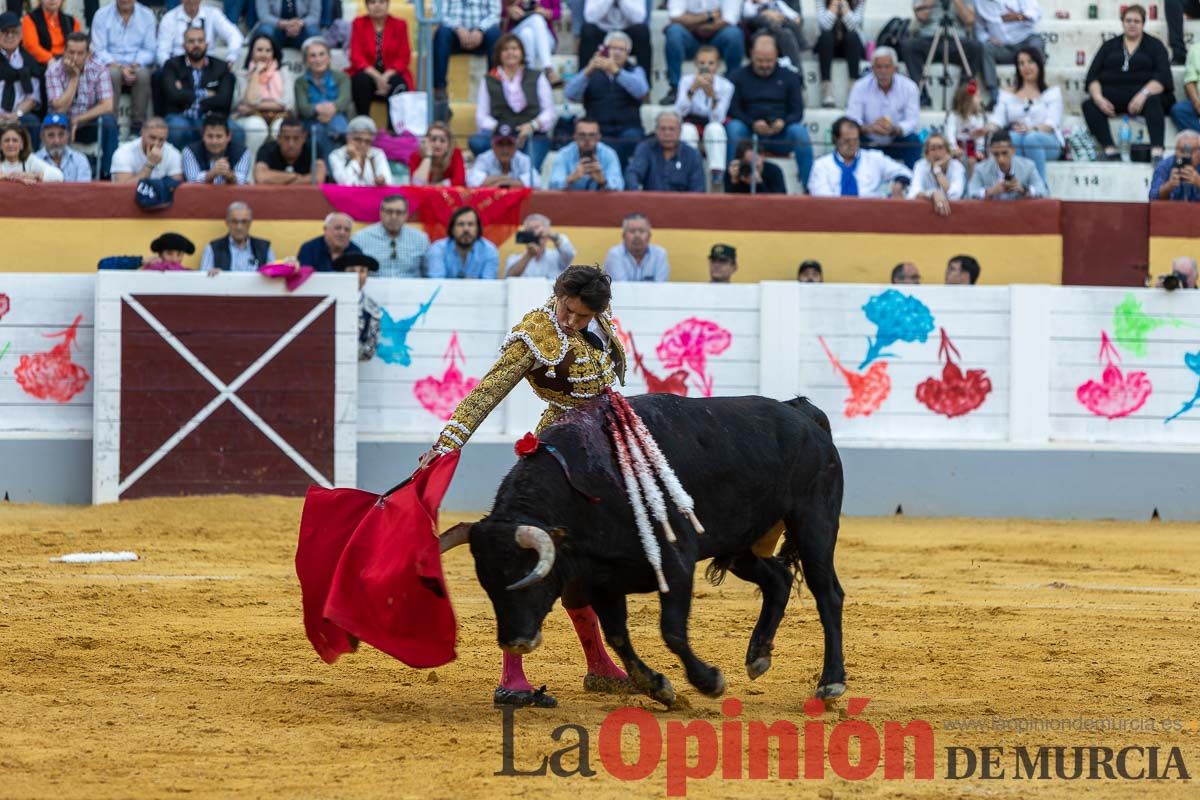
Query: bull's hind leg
[
  {"x": 813, "y": 537},
  {"x": 774, "y": 580},
  {"x": 676, "y": 606},
  {"x": 613, "y": 614}
]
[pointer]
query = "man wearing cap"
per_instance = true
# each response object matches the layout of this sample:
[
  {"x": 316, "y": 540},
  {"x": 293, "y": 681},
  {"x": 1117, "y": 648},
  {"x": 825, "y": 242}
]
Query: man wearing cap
[
  {"x": 369, "y": 311},
  {"x": 194, "y": 86},
  {"x": 722, "y": 263},
  {"x": 503, "y": 166},
  {"x": 78, "y": 85},
  {"x": 216, "y": 158},
  {"x": 810, "y": 272},
  {"x": 321, "y": 252},
  {"x": 124, "y": 38},
  {"x": 72, "y": 163},
  {"x": 238, "y": 251},
  {"x": 169, "y": 250},
  {"x": 149, "y": 156},
  {"x": 20, "y": 77}
]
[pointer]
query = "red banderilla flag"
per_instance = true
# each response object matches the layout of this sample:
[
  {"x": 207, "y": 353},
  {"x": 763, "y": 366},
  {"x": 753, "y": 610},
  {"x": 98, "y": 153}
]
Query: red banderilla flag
[{"x": 370, "y": 569}]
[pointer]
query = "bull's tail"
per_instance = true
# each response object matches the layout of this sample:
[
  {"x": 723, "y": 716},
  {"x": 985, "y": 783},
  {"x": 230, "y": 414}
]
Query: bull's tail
[{"x": 804, "y": 406}]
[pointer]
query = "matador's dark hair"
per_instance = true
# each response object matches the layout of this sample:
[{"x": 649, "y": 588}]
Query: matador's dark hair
[{"x": 589, "y": 284}]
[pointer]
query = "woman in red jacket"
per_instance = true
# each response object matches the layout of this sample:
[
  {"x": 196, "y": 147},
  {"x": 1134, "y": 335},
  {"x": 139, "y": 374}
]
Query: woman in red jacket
[{"x": 379, "y": 57}]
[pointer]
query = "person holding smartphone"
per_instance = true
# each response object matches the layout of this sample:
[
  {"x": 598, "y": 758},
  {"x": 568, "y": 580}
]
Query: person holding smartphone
[
  {"x": 1178, "y": 177},
  {"x": 703, "y": 103}
]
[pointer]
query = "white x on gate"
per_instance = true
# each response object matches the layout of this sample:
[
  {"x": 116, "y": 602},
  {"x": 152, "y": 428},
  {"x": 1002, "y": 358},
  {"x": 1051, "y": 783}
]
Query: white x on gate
[{"x": 225, "y": 393}]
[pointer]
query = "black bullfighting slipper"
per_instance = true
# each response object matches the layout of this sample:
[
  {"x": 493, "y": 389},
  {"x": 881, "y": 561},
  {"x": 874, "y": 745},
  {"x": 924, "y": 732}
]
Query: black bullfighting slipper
[
  {"x": 606, "y": 684},
  {"x": 521, "y": 699}
]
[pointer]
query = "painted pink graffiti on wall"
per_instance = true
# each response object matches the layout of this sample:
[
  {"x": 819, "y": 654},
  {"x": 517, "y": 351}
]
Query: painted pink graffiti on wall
[
  {"x": 53, "y": 375},
  {"x": 5, "y": 305},
  {"x": 440, "y": 396},
  {"x": 688, "y": 343},
  {"x": 1117, "y": 394}
]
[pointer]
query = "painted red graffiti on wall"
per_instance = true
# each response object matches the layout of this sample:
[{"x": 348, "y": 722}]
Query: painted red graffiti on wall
[
  {"x": 1117, "y": 394},
  {"x": 675, "y": 383},
  {"x": 440, "y": 396},
  {"x": 955, "y": 394},
  {"x": 53, "y": 375},
  {"x": 868, "y": 390}
]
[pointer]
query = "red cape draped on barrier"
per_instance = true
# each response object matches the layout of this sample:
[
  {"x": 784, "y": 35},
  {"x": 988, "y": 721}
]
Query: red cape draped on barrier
[
  {"x": 500, "y": 209},
  {"x": 369, "y": 568}
]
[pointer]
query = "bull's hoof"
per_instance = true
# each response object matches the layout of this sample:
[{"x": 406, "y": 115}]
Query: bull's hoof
[
  {"x": 656, "y": 686},
  {"x": 521, "y": 699},
  {"x": 758, "y": 666},
  {"x": 830, "y": 690},
  {"x": 716, "y": 687},
  {"x": 605, "y": 684}
]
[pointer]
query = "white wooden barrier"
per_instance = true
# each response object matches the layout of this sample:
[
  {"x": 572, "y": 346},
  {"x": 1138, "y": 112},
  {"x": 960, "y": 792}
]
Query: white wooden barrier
[{"x": 1030, "y": 367}]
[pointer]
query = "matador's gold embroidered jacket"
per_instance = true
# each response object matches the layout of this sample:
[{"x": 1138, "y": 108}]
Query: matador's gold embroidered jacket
[{"x": 565, "y": 371}]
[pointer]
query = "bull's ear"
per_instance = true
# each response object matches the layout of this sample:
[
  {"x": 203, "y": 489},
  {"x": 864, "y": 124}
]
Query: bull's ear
[{"x": 459, "y": 534}]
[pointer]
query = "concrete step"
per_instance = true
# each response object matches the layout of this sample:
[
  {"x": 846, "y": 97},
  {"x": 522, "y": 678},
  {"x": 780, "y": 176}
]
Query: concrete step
[{"x": 1099, "y": 181}]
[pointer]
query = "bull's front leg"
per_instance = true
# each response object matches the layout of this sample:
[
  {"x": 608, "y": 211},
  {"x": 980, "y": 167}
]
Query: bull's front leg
[
  {"x": 613, "y": 615},
  {"x": 676, "y": 607}
]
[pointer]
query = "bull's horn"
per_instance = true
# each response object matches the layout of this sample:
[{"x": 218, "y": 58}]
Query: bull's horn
[
  {"x": 457, "y": 535},
  {"x": 533, "y": 538}
]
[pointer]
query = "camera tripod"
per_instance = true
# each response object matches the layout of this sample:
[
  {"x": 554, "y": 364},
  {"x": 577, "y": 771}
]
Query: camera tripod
[{"x": 945, "y": 33}]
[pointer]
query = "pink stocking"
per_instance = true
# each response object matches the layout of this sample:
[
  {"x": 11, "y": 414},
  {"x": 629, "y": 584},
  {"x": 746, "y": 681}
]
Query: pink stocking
[
  {"x": 512, "y": 675},
  {"x": 588, "y": 629}
]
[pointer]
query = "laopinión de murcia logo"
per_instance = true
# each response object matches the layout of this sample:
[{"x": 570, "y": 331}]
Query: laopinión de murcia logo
[{"x": 852, "y": 749}]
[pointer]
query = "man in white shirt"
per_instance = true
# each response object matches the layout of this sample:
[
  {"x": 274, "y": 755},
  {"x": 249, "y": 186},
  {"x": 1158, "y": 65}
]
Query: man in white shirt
[
  {"x": 538, "y": 260},
  {"x": 888, "y": 107},
  {"x": 851, "y": 171},
  {"x": 150, "y": 156},
  {"x": 696, "y": 22},
  {"x": 635, "y": 259},
  {"x": 600, "y": 17},
  {"x": 191, "y": 14},
  {"x": 1004, "y": 27},
  {"x": 125, "y": 39},
  {"x": 503, "y": 166},
  {"x": 702, "y": 101}
]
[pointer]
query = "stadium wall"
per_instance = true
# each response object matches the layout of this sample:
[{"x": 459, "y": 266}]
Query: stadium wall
[
  {"x": 857, "y": 240},
  {"x": 989, "y": 401}
]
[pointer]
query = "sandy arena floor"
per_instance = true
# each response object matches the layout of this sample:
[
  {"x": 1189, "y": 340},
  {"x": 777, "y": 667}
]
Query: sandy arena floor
[{"x": 188, "y": 672}]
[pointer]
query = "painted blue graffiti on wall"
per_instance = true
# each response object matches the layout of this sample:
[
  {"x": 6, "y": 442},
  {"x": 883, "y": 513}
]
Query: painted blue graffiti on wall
[
  {"x": 393, "y": 334},
  {"x": 1192, "y": 360},
  {"x": 898, "y": 318}
]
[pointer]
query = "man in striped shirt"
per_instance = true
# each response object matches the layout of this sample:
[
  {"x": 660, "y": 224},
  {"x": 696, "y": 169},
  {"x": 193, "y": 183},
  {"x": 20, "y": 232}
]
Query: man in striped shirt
[{"x": 399, "y": 248}]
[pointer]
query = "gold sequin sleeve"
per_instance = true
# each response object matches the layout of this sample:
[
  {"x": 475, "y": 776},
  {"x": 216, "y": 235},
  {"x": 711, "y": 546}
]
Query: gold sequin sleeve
[{"x": 515, "y": 360}]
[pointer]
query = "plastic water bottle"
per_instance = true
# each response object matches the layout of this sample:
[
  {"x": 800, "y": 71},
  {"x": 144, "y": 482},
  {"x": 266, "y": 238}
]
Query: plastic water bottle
[{"x": 1125, "y": 137}]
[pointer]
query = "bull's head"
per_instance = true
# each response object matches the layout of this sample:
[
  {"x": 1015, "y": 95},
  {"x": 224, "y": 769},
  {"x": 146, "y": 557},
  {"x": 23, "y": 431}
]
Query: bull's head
[{"x": 514, "y": 564}]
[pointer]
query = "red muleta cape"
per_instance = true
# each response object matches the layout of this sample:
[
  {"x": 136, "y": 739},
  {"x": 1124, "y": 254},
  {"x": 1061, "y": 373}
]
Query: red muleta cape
[{"x": 369, "y": 568}]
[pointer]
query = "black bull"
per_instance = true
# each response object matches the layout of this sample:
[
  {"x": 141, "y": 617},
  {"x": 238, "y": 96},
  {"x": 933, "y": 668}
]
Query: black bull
[{"x": 754, "y": 467}]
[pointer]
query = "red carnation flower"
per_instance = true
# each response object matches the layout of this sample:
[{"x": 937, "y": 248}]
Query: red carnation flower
[{"x": 527, "y": 445}]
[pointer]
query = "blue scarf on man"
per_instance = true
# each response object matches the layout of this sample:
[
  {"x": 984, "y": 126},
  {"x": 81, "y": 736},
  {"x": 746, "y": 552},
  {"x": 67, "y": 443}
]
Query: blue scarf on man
[{"x": 849, "y": 180}]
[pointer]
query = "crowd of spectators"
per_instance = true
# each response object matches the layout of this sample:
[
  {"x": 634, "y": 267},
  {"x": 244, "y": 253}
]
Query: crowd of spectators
[{"x": 235, "y": 113}]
